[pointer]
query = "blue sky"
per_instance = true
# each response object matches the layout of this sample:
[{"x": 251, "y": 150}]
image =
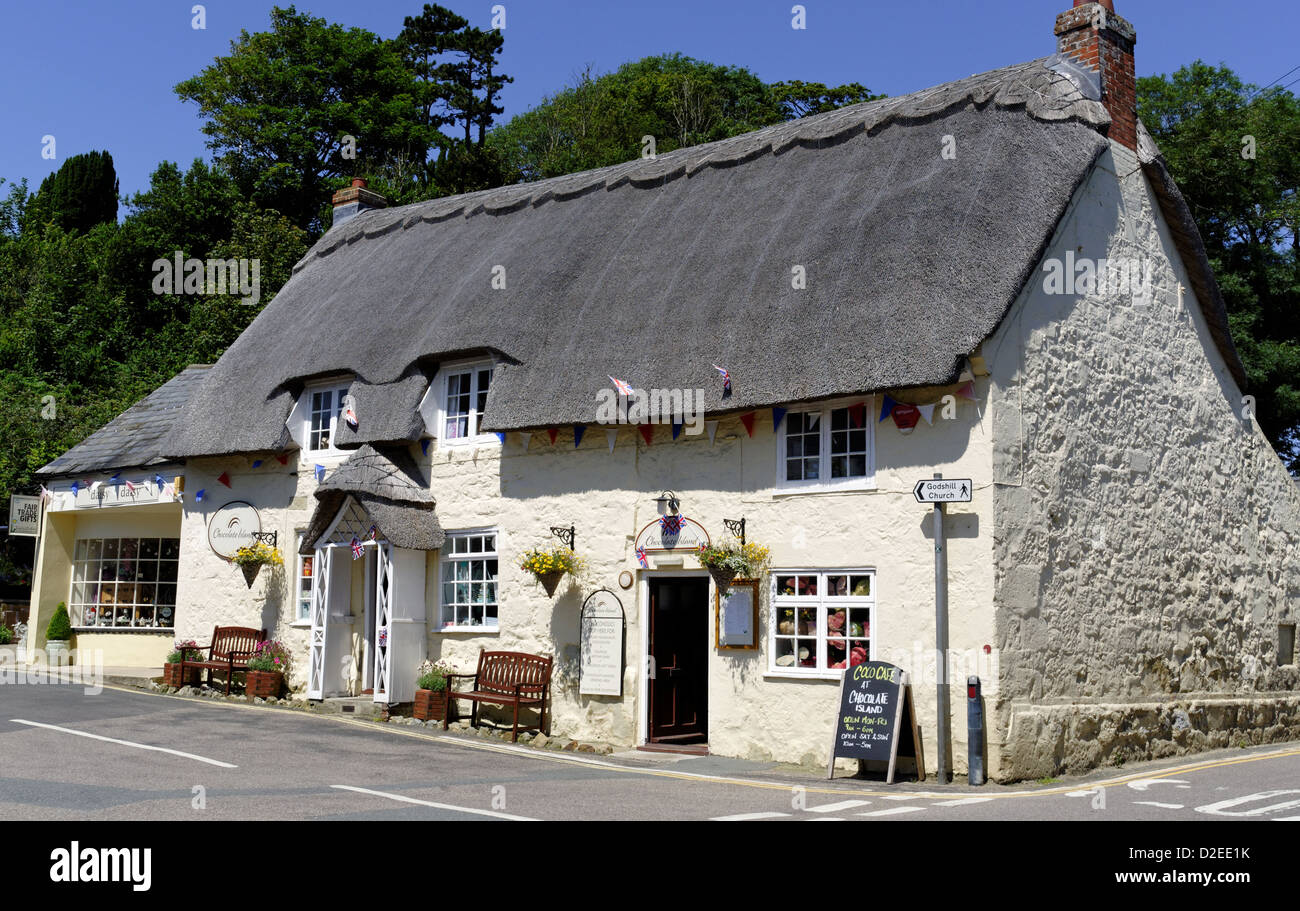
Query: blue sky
[{"x": 99, "y": 75}]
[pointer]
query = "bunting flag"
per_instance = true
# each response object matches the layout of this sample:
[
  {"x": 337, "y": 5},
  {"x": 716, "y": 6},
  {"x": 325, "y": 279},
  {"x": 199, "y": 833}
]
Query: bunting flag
[
  {"x": 611, "y": 437},
  {"x": 198, "y": 497},
  {"x": 158, "y": 481},
  {"x": 374, "y": 532},
  {"x": 525, "y": 437},
  {"x": 282, "y": 459},
  {"x": 858, "y": 414},
  {"x": 927, "y": 412},
  {"x": 94, "y": 487},
  {"x": 967, "y": 391},
  {"x": 640, "y": 556},
  {"x": 748, "y": 421},
  {"x": 501, "y": 437},
  {"x": 622, "y": 387},
  {"x": 76, "y": 485},
  {"x": 319, "y": 471},
  {"x": 45, "y": 493},
  {"x": 116, "y": 479},
  {"x": 578, "y": 431},
  {"x": 169, "y": 491},
  {"x": 356, "y": 548},
  {"x": 257, "y": 463},
  {"x": 671, "y": 525},
  {"x": 905, "y": 416},
  {"x": 726, "y": 380},
  {"x": 712, "y": 428},
  {"x": 677, "y": 429},
  {"x": 967, "y": 372},
  {"x": 424, "y": 446},
  {"x": 350, "y": 413},
  {"x": 886, "y": 407},
  {"x": 777, "y": 415},
  {"x": 130, "y": 487},
  {"x": 553, "y": 432},
  {"x": 647, "y": 432},
  {"x": 224, "y": 478}
]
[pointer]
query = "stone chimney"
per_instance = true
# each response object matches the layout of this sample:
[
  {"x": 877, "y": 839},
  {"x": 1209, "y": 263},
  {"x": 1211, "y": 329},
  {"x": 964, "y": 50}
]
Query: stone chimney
[
  {"x": 352, "y": 201},
  {"x": 1094, "y": 37}
]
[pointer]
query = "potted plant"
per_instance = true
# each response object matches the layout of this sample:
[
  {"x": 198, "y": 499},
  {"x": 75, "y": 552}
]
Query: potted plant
[
  {"x": 182, "y": 651},
  {"x": 252, "y": 557},
  {"x": 58, "y": 633},
  {"x": 6, "y": 635},
  {"x": 432, "y": 691},
  {"x": 266, "y": 670},
  {"x": 548, "y": 566},
  {"x": 729, "y": 559}
]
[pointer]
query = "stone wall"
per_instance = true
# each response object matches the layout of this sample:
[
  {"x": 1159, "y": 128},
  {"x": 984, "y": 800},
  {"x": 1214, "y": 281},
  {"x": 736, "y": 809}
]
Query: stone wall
[{"x": 1144, "y": 526}]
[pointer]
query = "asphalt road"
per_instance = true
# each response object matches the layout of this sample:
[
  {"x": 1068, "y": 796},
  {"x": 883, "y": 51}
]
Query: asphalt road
[{"x": 123, "y": 755}]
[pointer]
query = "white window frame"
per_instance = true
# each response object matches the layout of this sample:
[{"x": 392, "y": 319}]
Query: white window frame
[
  {"x": 825, "y": 482},
  {"x": 824, "y": 604},
  {"x": 339, "y": 386},
  {"x": 445, "y": 556},
  {"x": 299, "y": 617},
  {"x": 77, "y": 577},
  {"x": 440, "y": 390}
]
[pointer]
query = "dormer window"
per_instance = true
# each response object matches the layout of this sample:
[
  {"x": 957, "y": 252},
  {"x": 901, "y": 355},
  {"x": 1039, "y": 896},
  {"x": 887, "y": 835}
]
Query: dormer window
[
  {"x": 318, "y": 415},
  {"x": 455, "y": 403}
]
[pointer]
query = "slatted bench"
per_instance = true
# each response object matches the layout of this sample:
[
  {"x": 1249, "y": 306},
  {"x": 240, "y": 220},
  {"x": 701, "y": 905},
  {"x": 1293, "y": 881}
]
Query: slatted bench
[
  {"x": 505, "y": 678},
  {"x": 230, "y": 650}
]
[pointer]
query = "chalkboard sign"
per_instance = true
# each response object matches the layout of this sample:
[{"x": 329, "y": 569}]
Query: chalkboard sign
[{"x": 876, "y": 720}]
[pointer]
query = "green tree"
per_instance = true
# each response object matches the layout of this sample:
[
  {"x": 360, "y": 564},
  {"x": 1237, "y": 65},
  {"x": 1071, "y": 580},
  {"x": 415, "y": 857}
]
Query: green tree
[
  {"x": 82, "y": 193},
  {"x": 1235, "y": 151},
  {"x": 280, "y": 107},
  {"x": 800, "y": 99}
]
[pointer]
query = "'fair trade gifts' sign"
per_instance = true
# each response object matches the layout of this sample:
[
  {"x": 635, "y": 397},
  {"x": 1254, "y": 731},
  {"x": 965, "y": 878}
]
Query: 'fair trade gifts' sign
[{"x": 25, "y": 516}]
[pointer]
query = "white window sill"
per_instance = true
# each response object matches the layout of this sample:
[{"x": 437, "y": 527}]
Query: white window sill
[
  {"x": 824, "y": 488},
  {"x": 472, "y": 630},
  {"x": 301, "y": 624},
  {"x": 817, "y": 677}
]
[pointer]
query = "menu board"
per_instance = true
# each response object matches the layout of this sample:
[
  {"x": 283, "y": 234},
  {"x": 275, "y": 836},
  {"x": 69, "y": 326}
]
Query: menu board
[
  {"x": 875, "y": 717},
  {"x": 601, "y": 630}
]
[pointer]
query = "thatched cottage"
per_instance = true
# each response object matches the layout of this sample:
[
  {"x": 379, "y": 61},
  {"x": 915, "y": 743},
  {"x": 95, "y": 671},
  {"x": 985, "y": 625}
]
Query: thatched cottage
[{"x": 993, "y": 279}]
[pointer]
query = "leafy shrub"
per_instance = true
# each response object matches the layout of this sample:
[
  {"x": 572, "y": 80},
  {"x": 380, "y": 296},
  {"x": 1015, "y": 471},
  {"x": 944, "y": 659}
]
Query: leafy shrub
[
  {"x": 189, "y": 650},
  {"x": 6, "y": 635},
  {"x": 60, "y": 628}
]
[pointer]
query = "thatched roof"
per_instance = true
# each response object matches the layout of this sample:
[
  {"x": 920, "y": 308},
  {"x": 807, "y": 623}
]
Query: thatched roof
[
  {"x": 654, "y": 270},
  {"x": 388, "y": 485},
  {"x": 134, "y": 438}
]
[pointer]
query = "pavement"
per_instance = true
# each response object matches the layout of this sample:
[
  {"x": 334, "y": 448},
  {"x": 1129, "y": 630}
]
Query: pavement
[{"x": 121, "y": 754}]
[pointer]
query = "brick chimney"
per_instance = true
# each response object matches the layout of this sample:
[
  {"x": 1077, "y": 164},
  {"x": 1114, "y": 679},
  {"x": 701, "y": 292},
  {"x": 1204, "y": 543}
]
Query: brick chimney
[
  {"x": 352, "y": 201},
  {"x": 1093, "y": 36}
]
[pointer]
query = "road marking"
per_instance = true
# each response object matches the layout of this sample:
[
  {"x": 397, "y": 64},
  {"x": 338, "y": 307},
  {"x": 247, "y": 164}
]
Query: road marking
[
  {"x": 495, "y": 814},
  {"x": 1143, "y": 784},
  {"x": 126, "y": 743},
  {"x": 1221, "y": 808},
  {"x": 742, "y": 817},
  {"x": 893, "y": 811},
  {"x": 902, "y": 796},
  {"x": 836, "y": 807},
  {"x": 1163, "y": 806},
  {"x": 963, "y": 801},
  {"x": 1287, "y": 819}
]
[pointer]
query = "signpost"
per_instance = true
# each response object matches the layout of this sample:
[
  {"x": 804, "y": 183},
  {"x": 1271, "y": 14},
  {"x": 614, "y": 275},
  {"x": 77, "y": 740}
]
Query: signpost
[
  {"x": 25, "y": 516},
  {"x": 939, "y": 491},
  {"x": 601, "y": 669},
  {"x": 876, "y": 717}
]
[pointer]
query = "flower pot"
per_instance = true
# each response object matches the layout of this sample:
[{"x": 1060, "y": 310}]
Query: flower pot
[
  {"x": 264, "y": 684},
  {"x": 250, "y": 572},
  {"x": 172, "y": 676},
  {"x": 551, "y": 581},
  {"x": 722, "y": 576},
  {"x": 430, "y": 705},
  {"x": 57, "y": 650}
]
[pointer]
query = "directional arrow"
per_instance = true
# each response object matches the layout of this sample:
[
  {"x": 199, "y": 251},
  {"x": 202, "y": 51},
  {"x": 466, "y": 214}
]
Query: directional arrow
[{"x": 943, "y": 490}]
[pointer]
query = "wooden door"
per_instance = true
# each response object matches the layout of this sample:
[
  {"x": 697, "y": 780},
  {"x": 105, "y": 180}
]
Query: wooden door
[{"x": 679, "y": 647}]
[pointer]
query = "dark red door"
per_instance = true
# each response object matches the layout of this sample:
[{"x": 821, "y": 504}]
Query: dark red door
[{"x": 679, "y": 645}]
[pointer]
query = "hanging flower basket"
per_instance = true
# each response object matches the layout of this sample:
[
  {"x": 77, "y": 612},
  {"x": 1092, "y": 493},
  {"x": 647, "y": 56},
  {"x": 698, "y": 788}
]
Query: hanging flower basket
[
  {"x": 549, "y": 566},
  {"x": 730, "y": 559},
  {"x": 252, "y": 557}
]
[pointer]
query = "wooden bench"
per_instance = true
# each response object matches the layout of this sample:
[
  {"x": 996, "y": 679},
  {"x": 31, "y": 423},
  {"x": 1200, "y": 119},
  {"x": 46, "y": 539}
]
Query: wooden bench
[
  {"x": 230, "y": 650},
  {"x": 505, "y": 678}
]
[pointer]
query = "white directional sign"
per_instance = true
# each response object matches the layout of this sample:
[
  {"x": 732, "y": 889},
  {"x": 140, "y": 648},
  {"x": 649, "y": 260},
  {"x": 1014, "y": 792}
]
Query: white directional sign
[{"x": 943, "y": 490}]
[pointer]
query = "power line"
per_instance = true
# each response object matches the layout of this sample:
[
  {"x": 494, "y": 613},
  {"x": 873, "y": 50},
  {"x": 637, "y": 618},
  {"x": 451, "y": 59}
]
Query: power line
[{"x": 1277, "y": 80}]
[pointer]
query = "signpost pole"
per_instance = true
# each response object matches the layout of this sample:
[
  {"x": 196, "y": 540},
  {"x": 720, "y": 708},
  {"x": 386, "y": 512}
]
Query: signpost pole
[{"x": 941, "y": 638}]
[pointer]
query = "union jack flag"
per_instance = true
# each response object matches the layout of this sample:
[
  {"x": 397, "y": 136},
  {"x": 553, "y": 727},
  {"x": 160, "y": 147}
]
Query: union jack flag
[
  {"x": 671, "y": 525},
  {"x": 726, "y": 377},
  {"x": 356, "y": 548},
  {"x": 622, "y": 387},
  {"x": 640, "y": 556},
  {"x": 374, "y": 533}
]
